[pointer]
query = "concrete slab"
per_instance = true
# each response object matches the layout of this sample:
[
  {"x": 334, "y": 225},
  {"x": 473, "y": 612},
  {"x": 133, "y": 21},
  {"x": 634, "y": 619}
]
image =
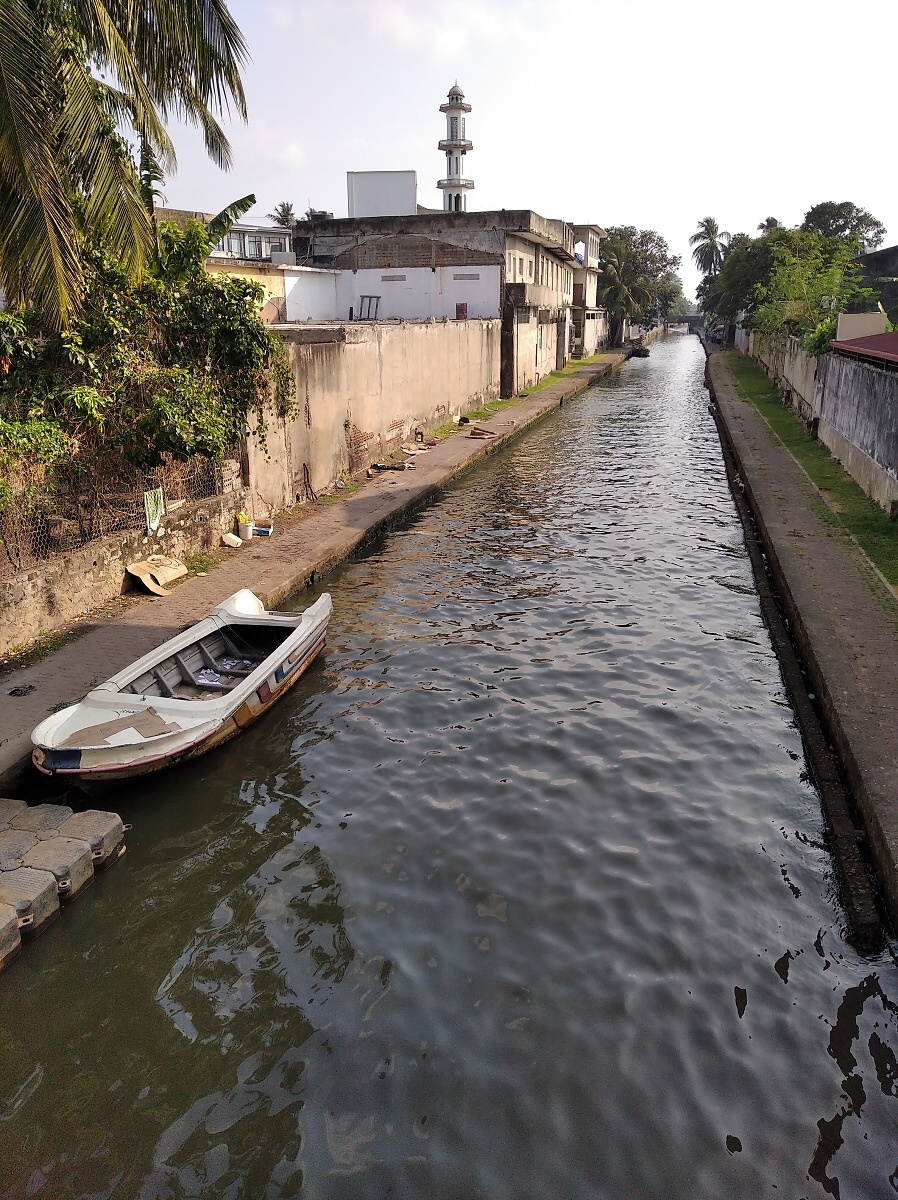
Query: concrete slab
[
  {"x": 10, "y": 938},
  {"x": 68, "y": 860},
  {"x": 9, "y": 809},
  {"x": 103, "y": 832},
  {"x": 32, "y": 894},
  {"x": 842, "y": 615},
  {"x": 309, "y": 544},
  {"x": 14, "y": 845},
  {"x": 43, "y": 820}
]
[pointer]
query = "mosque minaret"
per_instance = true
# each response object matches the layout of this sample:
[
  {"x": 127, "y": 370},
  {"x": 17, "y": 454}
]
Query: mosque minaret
[{"x": 455, "y": 186}]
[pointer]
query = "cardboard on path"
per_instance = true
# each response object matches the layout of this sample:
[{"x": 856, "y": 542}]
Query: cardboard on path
[
  {"x": 842, "y": 615},
  {"x": 273, "y": 568}
]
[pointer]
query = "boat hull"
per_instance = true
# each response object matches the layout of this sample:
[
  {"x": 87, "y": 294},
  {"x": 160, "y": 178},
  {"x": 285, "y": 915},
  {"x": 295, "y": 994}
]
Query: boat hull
[{"x": 107, "y": 763}]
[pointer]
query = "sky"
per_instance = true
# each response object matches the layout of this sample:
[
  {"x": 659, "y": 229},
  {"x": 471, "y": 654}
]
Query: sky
[{"x": 650, "y": 114}]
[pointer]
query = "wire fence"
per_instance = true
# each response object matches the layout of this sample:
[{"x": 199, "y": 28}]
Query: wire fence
[{"x": 72, "y": 504}]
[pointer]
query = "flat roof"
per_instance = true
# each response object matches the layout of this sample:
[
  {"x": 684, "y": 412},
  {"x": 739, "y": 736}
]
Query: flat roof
[{"x": 549, "y": 232}]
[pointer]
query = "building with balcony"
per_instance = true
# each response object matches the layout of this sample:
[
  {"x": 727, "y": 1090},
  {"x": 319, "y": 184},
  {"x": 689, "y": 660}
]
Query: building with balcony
[{"x": 589, "y": 321}]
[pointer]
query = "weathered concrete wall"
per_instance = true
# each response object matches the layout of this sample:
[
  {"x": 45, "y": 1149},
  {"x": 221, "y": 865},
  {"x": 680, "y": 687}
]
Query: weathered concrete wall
[
  {"x": 535, "y": 347},
  {"x": 854, "y": 405},
  {"x": 363, "y": 390},
  {"x": 858, "y": 407},
  {"x": 57, "y": 591},
  {"x": 792, "y": 370}
]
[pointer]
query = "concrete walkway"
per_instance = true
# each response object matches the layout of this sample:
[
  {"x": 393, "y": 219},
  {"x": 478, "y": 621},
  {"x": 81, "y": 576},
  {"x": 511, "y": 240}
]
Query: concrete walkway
[
  {"x": 842, "y": 615},
  {"x": 313, "y": 542}
]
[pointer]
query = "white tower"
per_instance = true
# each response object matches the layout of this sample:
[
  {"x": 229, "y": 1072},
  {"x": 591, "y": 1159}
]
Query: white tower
[{"x": 455, "y": 187}]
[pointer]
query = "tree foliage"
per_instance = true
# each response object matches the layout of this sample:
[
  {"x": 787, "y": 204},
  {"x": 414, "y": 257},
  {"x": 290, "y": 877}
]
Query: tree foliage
[
  {"x": 812, "y": 280},
  {"x": 283, "y": 215},
  {"x": 639, "y": 280},
  {"x": 708, "y": 244},
  {"x": 177, "y": 365},
  {"x": 623, "y": 287},
  {"x": 73, "y": 73},
  {"x": 845, "y": 220},
  {"x": 794, "y": 281}
]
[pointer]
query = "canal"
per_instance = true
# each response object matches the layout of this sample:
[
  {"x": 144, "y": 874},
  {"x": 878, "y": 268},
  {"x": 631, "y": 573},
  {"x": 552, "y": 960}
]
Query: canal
[{"x": 520, "y": 894}]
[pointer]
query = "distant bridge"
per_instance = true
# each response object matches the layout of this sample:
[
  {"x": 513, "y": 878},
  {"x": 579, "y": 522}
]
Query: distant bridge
[{"x": 693, "y": 320}]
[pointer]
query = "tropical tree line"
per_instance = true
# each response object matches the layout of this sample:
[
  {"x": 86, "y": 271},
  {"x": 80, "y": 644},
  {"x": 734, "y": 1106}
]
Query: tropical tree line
[
  {"x": 788, "y": 281},
  {"x": 117, "y": 348},
  {"x": 639, "y": 280}
]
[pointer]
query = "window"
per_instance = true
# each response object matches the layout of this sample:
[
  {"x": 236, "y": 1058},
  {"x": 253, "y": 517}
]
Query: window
[
  {"x": 253, "y": 246},
  {"x": 521, "y": 267},
  {"x": 276, "y": 245},
  {"x": 235, "y": 244},
  {"x": 529, "y": 268},
  {"x": 453, "y": 128},
  {"x": 368, "y": 306}
]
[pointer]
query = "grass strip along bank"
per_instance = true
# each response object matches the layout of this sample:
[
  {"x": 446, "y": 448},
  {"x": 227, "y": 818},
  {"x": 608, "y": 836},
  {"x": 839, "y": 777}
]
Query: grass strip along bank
[
  {"x": 846, "y": 504},
  {"x": 571, "y": 368}
]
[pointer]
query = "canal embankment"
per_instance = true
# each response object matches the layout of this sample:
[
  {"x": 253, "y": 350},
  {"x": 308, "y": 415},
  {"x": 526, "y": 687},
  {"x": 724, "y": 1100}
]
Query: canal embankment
[
  {"x": 309, "y": 543},
  {"x": 841, "y": 614}
]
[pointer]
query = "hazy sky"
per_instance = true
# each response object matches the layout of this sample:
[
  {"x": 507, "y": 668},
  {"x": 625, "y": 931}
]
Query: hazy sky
[{"x": 651, "y": 114}]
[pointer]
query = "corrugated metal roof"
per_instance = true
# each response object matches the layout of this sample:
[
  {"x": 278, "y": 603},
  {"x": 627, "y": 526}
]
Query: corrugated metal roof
[{"x": 881, "y": 346}]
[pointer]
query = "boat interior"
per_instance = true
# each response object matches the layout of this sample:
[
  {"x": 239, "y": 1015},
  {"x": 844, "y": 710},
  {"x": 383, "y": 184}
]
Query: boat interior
[{"x": 214, "y": 664}]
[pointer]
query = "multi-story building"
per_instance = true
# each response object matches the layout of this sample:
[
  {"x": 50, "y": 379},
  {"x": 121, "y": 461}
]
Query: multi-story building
[
  {"x": 511, "y": 264},
  {"x": 589, "y": 322}
]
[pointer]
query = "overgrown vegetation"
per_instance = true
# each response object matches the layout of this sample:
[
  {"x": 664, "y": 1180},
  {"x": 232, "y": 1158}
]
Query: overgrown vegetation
[
  {"x": 788, "y": 281},
  {"x": 175, "y": 366},
  {"x": 848, "y": 506}
]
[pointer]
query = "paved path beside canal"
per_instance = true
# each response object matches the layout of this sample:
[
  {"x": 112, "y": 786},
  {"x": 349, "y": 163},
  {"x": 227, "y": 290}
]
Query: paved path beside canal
[
  {"x": 310, "y": 544},
  {"x": 843, "y": 616}
]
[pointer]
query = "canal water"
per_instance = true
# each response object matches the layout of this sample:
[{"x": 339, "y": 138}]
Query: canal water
[{"x": 520, "y": 895}]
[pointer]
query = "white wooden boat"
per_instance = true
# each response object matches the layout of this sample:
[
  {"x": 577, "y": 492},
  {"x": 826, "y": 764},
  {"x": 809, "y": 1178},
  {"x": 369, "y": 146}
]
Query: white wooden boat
[{"x": 193, "y": 692}]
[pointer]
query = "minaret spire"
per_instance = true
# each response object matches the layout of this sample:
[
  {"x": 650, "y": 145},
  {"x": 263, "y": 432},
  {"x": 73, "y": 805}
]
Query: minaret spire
[{"x": 455, "y": 186}]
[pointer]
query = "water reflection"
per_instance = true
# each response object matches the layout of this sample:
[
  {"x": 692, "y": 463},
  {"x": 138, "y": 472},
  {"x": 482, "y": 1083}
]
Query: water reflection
[{"x": 521, "y": 893}]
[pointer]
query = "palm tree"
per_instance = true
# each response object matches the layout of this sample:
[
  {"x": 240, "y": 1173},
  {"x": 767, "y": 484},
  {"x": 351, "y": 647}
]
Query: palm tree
[
  {"x": 709, "y": 244},
  {"x": 769, "y": 223},
  {"x": 73, "y": 75},
  {"x": 623, "y": 290},
  {"x": 283, "y": 215}
]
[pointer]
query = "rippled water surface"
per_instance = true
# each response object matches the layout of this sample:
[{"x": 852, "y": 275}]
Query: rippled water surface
[{"x": 519, "y": 895}]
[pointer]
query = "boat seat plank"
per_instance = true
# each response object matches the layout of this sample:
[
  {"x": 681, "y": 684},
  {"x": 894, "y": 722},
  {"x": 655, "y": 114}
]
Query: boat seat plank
[
  {"x": 215, "y": 664},
  {"x": 202, "y": 684},
  {"x": 164, "y": 686}
]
